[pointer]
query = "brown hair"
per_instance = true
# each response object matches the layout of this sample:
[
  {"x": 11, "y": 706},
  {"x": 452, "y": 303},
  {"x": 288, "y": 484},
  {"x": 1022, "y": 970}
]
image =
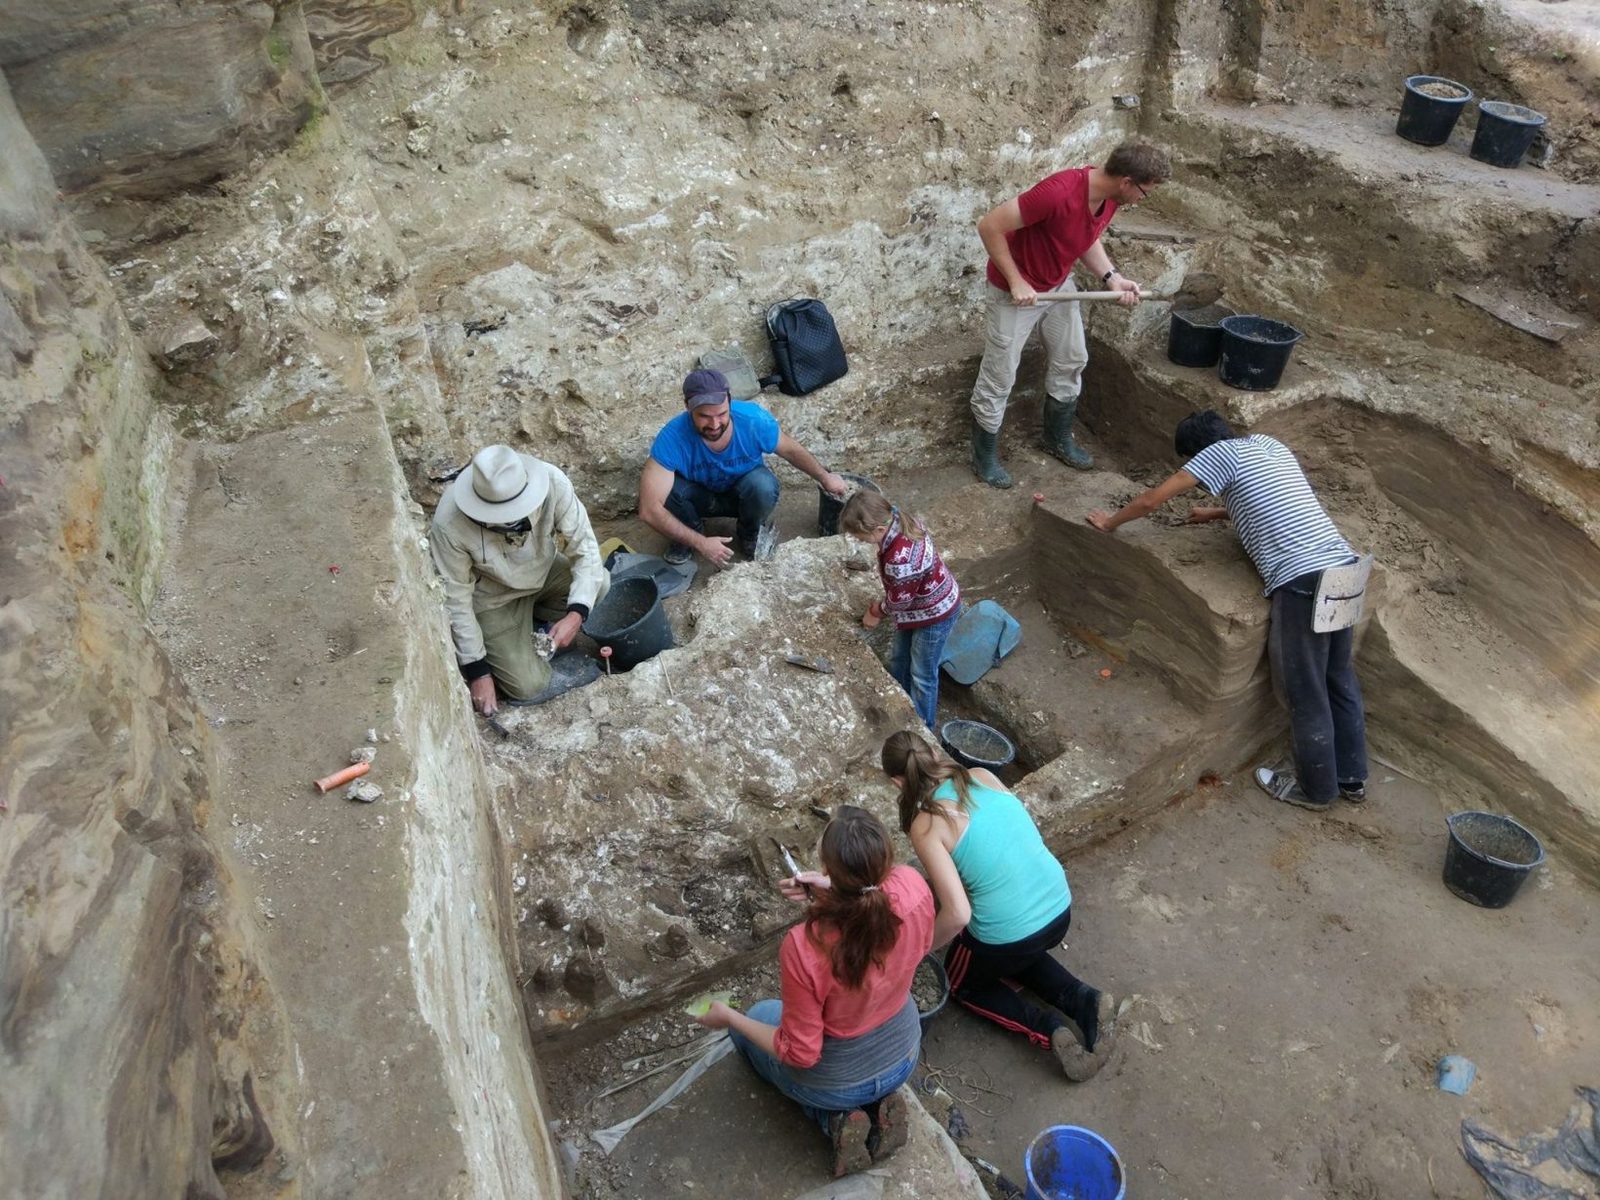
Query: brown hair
[
  {"x": 923, "y": 769},
  {"x": 864, "y": 512},
  {"x": 1140, "y": 162},
  {"x": 856, "y": 855}
]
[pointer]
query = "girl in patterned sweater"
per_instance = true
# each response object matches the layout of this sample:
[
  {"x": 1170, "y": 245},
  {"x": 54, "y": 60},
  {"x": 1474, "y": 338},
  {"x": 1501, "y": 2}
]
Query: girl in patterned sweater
[{"x": 919, "y": 592}]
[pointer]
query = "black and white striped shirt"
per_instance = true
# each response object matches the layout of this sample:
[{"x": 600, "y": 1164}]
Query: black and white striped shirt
[{"x": 1284, "y": 529}]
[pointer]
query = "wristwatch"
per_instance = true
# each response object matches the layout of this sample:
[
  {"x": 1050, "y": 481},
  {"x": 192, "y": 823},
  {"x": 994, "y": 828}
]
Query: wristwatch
[{"x": 1106, "y": 278}]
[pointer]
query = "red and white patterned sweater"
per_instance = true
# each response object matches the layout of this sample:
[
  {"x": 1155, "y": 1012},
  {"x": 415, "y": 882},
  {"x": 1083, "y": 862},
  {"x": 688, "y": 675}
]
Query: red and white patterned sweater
[{"x": 918, "y": 588}]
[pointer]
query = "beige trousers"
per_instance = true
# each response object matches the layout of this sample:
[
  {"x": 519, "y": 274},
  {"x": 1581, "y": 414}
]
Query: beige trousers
[
  {"x": 508, "y": 632},
  {"x": 1060, "y": 324}
]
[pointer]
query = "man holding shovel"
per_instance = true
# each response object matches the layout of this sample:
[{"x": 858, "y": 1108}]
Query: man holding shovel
[{"x": 1033, "y": 242}]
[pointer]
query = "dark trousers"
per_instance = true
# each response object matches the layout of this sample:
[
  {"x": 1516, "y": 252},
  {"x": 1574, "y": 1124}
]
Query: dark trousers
[
  {"x": 981, "y": 976},
  {"x": 1315, "y": 678},
  {"x": 751, "y": 500}
]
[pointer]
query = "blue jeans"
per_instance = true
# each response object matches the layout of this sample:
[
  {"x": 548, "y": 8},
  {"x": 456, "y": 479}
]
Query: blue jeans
[
  {"x": 751, "y": 499},
  {"x": 819, "y": 1103},
  {"x": 914, "y": 663},
  {"x": 1316, "y": 679}
]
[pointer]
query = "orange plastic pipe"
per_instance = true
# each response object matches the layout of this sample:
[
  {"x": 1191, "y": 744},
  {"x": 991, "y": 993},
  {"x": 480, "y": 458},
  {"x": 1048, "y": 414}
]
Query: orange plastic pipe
[{"x": 355, "y": 771}]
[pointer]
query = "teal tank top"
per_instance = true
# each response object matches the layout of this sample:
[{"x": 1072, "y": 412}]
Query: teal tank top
[{"x": 1015, "y": 884}]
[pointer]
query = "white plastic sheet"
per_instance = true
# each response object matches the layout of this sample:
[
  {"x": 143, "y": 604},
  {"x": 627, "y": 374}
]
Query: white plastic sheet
[{"x": 714, "y": 1053}]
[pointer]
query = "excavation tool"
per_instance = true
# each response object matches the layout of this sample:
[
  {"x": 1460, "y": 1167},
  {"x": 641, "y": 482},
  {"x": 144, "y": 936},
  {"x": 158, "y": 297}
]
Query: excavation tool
[
  {"x": 789, "y": 862},
  {"x": 494, "y": 724},
  {"x": 820, "y": 665},
  {"x": 1199, "y": 289}
]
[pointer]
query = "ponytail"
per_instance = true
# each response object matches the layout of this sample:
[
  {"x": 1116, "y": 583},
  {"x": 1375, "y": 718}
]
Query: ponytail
[
  {"x": 923, "y": 770},
  {"x": 857, "y": 855}
]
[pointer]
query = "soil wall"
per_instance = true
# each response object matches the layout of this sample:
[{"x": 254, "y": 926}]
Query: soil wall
[{"x": 136, "y": 1023}]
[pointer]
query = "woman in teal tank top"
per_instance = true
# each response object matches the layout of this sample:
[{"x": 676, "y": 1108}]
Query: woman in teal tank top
[{"x": 1004, "y": 904}]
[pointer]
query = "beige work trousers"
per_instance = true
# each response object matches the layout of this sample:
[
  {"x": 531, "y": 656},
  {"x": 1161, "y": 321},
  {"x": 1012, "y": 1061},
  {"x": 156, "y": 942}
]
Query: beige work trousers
[
  {"x": 1060, "y": 324},
  {"x": 508, "y": 632}
]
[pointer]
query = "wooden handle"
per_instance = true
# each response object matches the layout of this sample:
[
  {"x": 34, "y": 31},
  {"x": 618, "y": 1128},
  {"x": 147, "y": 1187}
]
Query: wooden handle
[{"x": 1102, "y": 296}]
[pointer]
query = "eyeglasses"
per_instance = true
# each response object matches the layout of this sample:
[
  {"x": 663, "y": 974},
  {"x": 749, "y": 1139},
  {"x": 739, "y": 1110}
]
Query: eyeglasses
[{"x": 1140, "y": 188}]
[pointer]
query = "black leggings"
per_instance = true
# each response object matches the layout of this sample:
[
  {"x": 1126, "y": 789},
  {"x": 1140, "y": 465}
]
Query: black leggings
[{"x": 982, "y": 977}]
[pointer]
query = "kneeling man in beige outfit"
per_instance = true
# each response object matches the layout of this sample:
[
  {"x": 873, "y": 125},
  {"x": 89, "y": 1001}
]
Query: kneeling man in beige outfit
[{"x": 515, "y": 549}]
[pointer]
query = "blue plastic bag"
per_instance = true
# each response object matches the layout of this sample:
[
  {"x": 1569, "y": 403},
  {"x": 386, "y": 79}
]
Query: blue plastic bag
[{"x": 984, "y": 635}]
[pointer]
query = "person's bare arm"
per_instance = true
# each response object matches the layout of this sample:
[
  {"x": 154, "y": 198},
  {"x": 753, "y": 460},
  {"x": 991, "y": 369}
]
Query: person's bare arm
[
  {"x": 955, "y": 909},
  {"x": 1145, "y": 503},
  {"x": 1201, "y": 513},
  {"x": 992, "y": 229},
  {"x": 796, "y": 455},
  {"x": 1099, "y": 262},
  {"x": 721, "y": 1016},
  {"x": 655, "y": 485}
]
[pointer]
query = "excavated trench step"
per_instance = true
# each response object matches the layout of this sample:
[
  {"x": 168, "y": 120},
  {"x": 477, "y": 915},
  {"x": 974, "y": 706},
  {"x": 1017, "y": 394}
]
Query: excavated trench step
[{"x": 297, "y": 574}]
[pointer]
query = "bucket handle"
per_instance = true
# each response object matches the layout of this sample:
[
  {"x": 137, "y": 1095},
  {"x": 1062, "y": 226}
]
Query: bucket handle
[{"x": 1450, "y": 822}]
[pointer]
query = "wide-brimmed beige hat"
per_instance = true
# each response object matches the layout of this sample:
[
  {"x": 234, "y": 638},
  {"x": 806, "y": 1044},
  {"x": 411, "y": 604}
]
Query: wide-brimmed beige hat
[{"x": 501, "y": 486}]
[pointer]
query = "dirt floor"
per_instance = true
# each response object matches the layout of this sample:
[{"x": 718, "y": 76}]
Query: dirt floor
[{"x": 1291, "y": 981}]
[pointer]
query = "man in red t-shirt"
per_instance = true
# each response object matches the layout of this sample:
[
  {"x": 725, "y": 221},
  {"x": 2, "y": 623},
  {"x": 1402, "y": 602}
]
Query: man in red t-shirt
[{"x": 1033, "y": 242}]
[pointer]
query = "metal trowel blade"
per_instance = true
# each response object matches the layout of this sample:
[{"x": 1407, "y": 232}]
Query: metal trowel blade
[{"x": 821, "y": 665}]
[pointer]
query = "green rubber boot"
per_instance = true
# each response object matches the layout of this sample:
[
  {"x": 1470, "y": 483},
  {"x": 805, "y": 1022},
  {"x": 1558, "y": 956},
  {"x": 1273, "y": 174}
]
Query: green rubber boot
[
  {"x": 1058, "y": 418},
  {"x": 986, "y": 458}
]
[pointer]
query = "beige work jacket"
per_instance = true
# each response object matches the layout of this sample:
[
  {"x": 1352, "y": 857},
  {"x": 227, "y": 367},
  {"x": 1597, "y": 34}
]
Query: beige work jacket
[{"x": 483, "y": 569}]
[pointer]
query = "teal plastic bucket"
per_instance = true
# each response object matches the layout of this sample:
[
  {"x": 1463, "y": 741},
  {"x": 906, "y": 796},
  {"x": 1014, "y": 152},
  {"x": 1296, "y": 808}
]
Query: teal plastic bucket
[{"x": 1066, "y": 1162}]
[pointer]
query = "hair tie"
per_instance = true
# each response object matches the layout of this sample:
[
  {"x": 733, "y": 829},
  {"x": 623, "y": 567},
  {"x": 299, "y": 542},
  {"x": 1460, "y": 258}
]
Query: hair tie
[{"x": 871, "y": 887}]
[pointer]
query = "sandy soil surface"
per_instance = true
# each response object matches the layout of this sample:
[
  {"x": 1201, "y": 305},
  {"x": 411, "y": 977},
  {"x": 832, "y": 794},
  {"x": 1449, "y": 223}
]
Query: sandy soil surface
[{"x": 1292, "y": 980}]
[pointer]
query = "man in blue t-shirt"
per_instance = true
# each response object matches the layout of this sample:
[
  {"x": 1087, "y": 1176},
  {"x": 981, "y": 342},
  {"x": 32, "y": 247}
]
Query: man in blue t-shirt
[
  {"x": 708, "y": 462},
  {"x": 1291, "y": 540}
]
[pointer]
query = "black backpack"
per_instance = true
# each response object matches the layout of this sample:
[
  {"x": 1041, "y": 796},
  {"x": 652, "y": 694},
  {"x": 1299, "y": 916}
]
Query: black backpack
[{"x": 805, "y": 345}]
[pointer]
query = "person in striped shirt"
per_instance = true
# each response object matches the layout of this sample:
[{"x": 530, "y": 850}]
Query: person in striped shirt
[
  {"x": 919, "y": 592},
  {"x": 1291, "y": 541}
]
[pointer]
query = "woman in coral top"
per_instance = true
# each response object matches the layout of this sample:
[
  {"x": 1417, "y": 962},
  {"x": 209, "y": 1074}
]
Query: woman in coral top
[{"x": 845, "y": 1035}]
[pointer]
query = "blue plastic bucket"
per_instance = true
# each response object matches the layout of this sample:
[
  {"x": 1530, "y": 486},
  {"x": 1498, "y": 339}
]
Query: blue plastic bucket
[{"x": 1066, "y": 1162}]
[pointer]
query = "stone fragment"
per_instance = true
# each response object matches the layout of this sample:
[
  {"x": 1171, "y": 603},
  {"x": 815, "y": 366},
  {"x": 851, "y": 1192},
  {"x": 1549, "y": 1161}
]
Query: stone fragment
[
  {"x": 363, "y": 754},
  {"x": 587, "y": 980},
  {"x": 675, "y": 943},
  {"x": 187, "y": 345},
  {"x": 366, "y": 793}
]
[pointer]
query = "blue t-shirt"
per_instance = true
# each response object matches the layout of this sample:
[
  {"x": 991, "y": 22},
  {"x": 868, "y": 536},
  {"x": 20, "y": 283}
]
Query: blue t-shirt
[{"x": 684, "y": 452}]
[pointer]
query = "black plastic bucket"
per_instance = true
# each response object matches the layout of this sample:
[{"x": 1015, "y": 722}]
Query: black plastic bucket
[
  {"x": 975, "y": 744},
  {"x": 1427, "y": 119},
  {"x": 828, "y": 509},
  {"x": 1255, "y": 350},
  {"x": 1194, "y": 339},
  {"x": 1488, "y": 858},
  {"x": 630, "y": 619},
  {"x": 1505, "y": 133}
]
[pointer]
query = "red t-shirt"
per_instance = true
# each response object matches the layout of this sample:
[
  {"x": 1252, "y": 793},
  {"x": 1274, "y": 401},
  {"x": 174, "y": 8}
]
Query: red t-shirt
[
  {"x": 815, "y": 1003},
  {"x": 1057, "y": 228}
]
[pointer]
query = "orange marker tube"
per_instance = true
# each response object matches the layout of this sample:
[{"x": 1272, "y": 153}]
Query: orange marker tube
[{"x": 353, "y": 771}]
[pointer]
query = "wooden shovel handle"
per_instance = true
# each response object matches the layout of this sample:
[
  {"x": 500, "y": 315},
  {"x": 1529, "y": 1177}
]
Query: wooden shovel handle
[{"x": 1102, "y": 296}]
